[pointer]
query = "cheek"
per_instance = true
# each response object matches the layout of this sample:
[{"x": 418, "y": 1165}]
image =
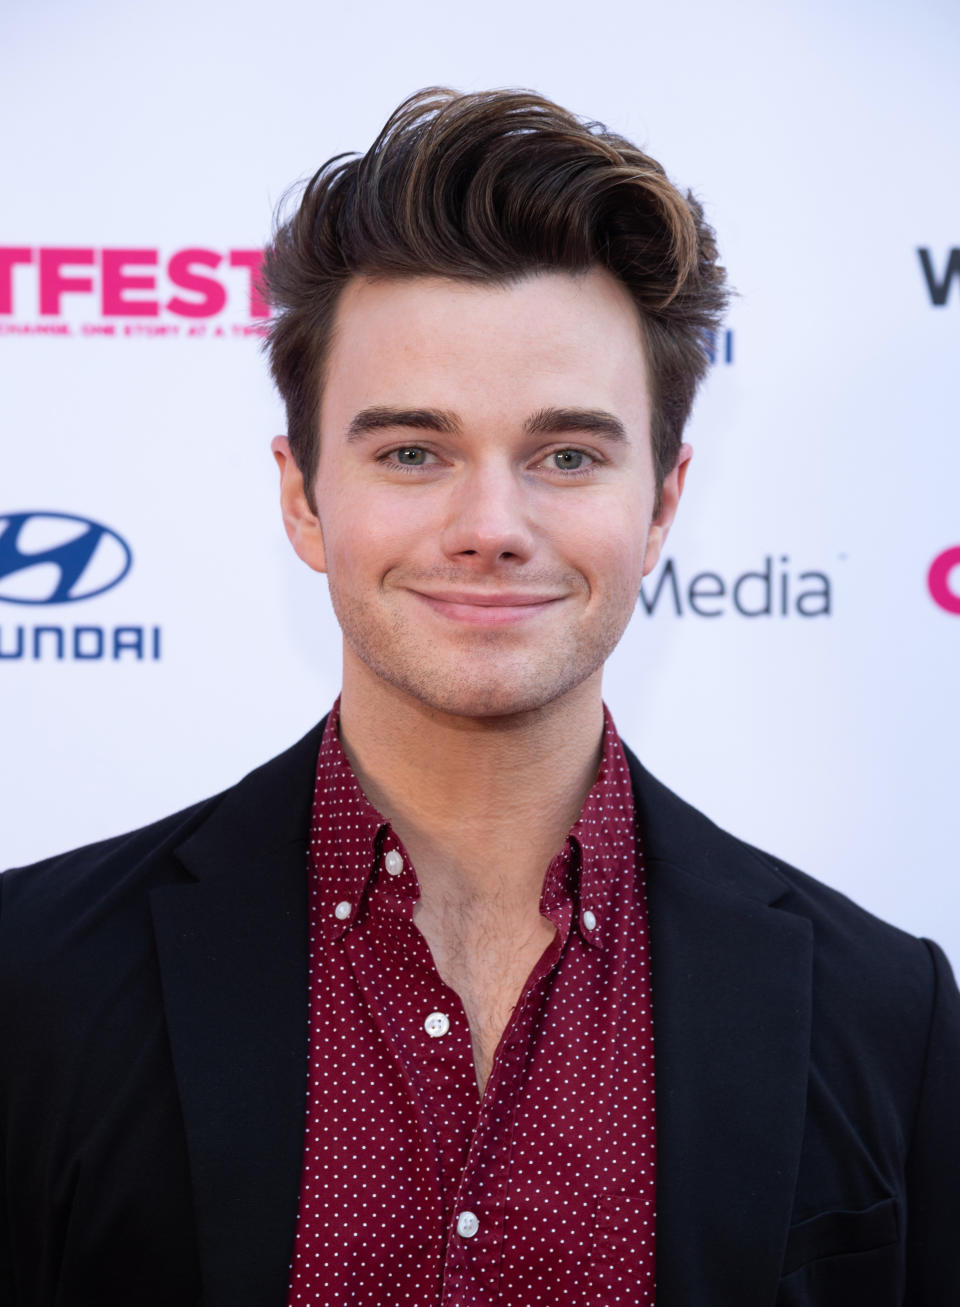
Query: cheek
[
  {"x": 366, "y": 538},
  {"x": 613, "y": 547}
]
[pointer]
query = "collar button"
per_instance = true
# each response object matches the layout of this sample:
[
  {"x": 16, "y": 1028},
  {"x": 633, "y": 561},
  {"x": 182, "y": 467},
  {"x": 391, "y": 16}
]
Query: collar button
[{"x": 393, "y": 862}]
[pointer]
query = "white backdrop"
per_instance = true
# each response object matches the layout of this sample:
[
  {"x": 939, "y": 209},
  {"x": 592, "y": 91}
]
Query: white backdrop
[{"x": 822, "y": 141}]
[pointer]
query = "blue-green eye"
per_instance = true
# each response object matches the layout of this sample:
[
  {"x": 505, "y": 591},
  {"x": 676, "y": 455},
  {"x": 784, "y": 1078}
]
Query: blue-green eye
[
  {"x": 411, "y": 456},
  {"x": 569, "y": 460}
]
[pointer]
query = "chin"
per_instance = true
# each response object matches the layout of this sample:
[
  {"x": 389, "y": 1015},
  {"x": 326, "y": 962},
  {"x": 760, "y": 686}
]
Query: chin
[{"x": 458, "y": 693}]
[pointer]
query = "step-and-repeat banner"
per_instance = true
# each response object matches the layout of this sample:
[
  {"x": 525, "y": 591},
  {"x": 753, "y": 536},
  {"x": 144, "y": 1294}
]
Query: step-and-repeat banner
[{"x": 793, "y": 665}]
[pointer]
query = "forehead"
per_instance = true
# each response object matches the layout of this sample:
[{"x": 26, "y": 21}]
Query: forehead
[{"x": 551, "y": 338}]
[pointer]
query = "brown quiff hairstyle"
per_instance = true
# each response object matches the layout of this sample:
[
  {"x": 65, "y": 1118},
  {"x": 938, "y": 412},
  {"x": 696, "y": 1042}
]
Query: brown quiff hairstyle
[{"x": 491, "y": 187}]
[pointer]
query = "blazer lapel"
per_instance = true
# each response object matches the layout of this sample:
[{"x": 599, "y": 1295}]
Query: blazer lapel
[
  {"x": 233, "y": 956},
  {"x": 731, "y": 1003}
]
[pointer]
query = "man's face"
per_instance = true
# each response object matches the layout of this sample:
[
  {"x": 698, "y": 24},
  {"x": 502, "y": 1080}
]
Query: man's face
[{"x": 485, "y": 489}]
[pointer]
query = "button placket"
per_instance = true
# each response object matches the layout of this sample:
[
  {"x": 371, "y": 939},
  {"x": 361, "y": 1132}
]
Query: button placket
[
  {"x": 437, "y": 1024},
  {"x": 468, "y": 1223}
]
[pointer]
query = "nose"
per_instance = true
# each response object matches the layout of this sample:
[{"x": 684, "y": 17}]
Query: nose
[{"x": 488, "y": 517}]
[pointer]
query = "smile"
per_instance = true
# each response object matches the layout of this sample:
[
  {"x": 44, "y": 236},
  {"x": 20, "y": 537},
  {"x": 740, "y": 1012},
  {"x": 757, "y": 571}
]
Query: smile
[{"x": 481, "y": 609}]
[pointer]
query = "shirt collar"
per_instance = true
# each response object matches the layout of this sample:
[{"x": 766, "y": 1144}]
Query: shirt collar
[
  {"x": 350, "y": 839},
  {"x": 606, "y": 837},
  {"x": 346, "y": 835}
]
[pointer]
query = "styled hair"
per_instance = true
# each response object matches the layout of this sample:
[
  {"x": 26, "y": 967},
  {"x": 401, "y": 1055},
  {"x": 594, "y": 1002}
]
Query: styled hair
[{"x": 489, "y": 188}]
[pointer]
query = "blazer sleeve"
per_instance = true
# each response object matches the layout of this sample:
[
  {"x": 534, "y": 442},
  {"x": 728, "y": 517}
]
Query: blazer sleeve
[
  {"x": 933, "y": 1165},
  {"x": 6, "y": 1261},
  {"x": 6, "y": 1266}
]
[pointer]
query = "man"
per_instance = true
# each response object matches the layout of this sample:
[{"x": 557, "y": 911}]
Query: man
[{"x": 381, "y": 1024}]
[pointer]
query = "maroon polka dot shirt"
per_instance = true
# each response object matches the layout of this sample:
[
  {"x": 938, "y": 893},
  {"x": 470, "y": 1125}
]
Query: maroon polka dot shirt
[{"x": 415, "y": 1191}]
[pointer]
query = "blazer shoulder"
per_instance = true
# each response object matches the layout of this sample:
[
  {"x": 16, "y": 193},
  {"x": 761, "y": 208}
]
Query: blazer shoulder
[
  {"x": 141, "y": 858},
  {"x": 677, "y": 833},
  {"x": 110, "y": 862},
  {"x": 876, "y": 965},
  {"x": 876, "y": 989}
]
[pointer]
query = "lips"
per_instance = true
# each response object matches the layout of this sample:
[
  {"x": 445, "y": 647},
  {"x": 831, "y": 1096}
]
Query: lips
[
  {"x": 485, "y": 599},
  {"x": 484, "y": 608}
]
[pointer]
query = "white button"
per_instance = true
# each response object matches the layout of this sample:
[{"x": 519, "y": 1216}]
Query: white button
[
  {"x": 394, "y": 862},
  {"x": 342, "y": 910},
  {"x": 589, "y": 920},
  {"x": 467, "y": 1225},
  {"x": 437, "y": 1024}
]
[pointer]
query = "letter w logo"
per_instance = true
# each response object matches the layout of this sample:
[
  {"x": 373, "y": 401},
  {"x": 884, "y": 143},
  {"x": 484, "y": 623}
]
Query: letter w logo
[{"x": 939, "y": 287}]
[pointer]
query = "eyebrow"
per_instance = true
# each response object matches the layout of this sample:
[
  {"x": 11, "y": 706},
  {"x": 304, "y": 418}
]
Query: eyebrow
[
  {"x": 557, "y": 421},
  {"x": 422, "y": 419},
  {"x": 547, "y": 421}
]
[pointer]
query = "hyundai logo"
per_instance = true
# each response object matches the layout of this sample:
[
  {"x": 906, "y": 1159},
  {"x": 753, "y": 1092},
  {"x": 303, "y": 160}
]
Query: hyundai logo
[{"x": 58, "y": 558}]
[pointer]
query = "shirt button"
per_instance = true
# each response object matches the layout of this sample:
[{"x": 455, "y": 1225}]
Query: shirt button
[
  {"x": 342, "y": 910},
  {"x": 394, "y": 862},
  {"x": 437, "y": 1024},
  {"x": 467, "y": 1225},
  {"x": 589, "y": 920}
]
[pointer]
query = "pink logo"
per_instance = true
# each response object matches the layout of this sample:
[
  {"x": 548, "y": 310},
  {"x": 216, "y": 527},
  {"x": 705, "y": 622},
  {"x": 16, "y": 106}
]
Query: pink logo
[
  {"x": 130, "y": 283},
  {"x": 939, "y": 578}
]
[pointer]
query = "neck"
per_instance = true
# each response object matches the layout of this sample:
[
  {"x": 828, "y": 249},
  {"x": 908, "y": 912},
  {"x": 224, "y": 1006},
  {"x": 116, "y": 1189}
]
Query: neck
[{"x": 481, "y": 803}]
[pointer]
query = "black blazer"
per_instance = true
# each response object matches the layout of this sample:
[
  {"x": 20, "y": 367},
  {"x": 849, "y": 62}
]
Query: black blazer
[{"x": 153, "y": 1043}]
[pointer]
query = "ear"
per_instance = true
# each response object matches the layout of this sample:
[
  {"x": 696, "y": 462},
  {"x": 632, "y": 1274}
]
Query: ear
[
  {"x": 669, "y": 500},
  {"x": 301, "y": 522}
]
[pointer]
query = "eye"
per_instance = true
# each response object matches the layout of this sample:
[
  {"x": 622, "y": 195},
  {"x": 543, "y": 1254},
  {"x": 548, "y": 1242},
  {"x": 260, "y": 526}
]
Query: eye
[
  {"x": 571, "y": 460},
  {"x": 410, "y": 456},
  {"x": 407, "y": 458}
]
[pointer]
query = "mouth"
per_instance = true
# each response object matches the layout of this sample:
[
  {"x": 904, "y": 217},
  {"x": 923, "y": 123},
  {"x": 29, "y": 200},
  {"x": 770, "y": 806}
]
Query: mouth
[{"x": 477, "y": 608}]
